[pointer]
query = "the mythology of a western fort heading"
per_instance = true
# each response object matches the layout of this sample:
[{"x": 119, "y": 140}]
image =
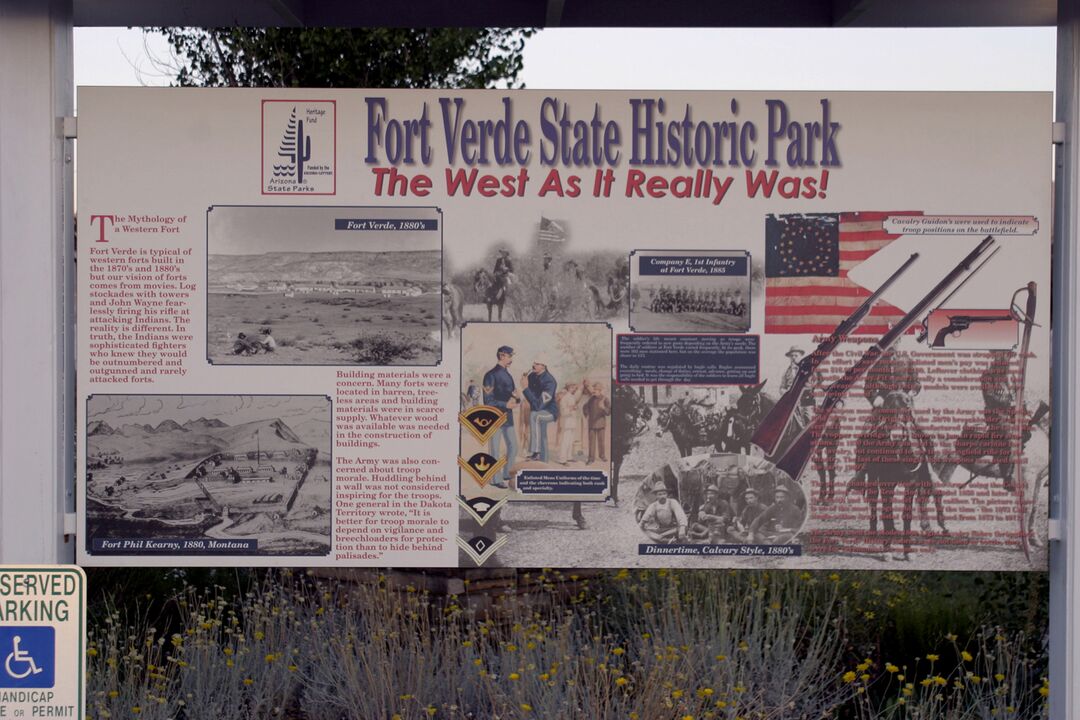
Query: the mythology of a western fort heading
[{"x": 571, "y": 329}]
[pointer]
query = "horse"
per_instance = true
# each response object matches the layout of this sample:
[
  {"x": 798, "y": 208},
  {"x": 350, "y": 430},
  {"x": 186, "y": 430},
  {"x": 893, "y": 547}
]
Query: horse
[
  {"x": 741, "y": 421},
  {"x": 492, "y": 289},
  {"x": 453, "y": 309},
  {"x": 972, "y": 450},
  {"x": 689, "y": 432},
  {"x": 893, "y": 452}
]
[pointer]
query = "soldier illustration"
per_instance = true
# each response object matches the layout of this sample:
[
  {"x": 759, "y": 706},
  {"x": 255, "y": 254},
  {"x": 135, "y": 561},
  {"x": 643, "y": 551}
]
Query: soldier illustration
[
  {"x": 540, "y": 391},
  {"x": 499, "y": 391}
]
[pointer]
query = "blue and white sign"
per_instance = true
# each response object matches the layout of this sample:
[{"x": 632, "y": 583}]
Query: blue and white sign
[
  {"x": 29, "y": 657},
  {"x": 42, "y": 642}
]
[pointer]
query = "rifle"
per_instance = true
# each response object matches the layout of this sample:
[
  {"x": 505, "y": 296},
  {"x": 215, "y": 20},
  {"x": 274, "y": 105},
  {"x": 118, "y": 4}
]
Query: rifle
[
  {"x": 924, "y": 330},
  {"x": 794, "y": 460},
  {"x": 768, "y": 433},
  {"x": 960, "y": 323}
]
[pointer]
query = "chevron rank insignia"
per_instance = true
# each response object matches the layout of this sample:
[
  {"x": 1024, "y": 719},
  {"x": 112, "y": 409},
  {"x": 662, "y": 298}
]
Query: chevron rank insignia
[
  {"x": 479, "y": 548},
  {"x": 481, "y": 509},
  {"x": 482, "y": 421},
  {"x": 482, "y": 467}
]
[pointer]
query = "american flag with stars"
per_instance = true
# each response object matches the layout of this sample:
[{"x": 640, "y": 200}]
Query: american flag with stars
[
  {"x": 551, "y": 231},
  {"x": 807, "y": 260}
]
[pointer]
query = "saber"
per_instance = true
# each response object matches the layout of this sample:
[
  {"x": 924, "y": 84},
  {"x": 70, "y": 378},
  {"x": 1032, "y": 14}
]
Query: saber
[
  {"x": 798, "y": 454},
  {"x": 1018, "y": 415},
  {"x": 768, "y": 433}
]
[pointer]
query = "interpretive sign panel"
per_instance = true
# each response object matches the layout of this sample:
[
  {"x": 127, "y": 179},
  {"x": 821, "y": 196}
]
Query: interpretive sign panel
[{"x": 432, "y": 328}]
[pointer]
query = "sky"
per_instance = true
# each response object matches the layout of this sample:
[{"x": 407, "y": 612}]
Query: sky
[{"x": 709, "y": 59}]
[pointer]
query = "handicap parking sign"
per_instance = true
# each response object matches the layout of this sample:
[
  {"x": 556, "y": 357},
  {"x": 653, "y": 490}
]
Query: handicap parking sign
[{"x": 27, "y": 657}]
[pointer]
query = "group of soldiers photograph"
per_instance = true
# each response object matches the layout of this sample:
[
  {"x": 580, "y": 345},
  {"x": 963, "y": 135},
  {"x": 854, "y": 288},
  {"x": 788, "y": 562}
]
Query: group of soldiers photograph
[
  {"x": 671, "y": 299},
  {"x": 716, "y": 502}
]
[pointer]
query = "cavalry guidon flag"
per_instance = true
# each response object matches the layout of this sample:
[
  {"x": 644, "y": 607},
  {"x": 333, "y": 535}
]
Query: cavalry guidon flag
[{"x": 807, "y": 260}]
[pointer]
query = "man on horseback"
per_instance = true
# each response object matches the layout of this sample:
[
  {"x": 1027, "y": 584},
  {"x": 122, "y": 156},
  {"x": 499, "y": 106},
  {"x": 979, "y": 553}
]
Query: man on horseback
[
  {"x": 999, "y": 400},
  {"x": 891, "y": 386},
  {"x": 503, "y": 271}
]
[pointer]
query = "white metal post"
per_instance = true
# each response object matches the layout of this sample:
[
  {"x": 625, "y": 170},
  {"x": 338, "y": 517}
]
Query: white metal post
[
  {"x": 36, "y": 268},
  {"x": 1065, "y": 554}
]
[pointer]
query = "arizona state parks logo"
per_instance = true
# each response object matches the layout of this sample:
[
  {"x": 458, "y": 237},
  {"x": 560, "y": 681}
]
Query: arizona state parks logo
[
  {"x": 482, "y": 421},
  {"x": 299, "y": 147},
  {"x": 482, "y": 466}
]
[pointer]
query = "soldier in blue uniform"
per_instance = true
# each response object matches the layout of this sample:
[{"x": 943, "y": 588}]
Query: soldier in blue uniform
[
  {"x": 499, "y": 392},
  {"x": 540, "y": 392}
]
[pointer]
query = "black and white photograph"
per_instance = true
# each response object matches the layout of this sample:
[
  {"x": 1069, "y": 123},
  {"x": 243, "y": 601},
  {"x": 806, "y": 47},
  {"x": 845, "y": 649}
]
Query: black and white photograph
[
  {"x": 324, "y": 286},
  {"x": 719, "y": 498},
  {"x": 693, "y": 291},
  {"x": 677, "y": 479},
  {"x": 550, "y": 275},
  {"x": 201, "y": 474}
]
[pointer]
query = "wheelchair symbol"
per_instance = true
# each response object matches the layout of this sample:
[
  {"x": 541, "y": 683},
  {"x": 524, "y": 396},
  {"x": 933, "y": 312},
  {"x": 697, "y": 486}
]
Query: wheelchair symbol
[{"x": 22, "y": 658}]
